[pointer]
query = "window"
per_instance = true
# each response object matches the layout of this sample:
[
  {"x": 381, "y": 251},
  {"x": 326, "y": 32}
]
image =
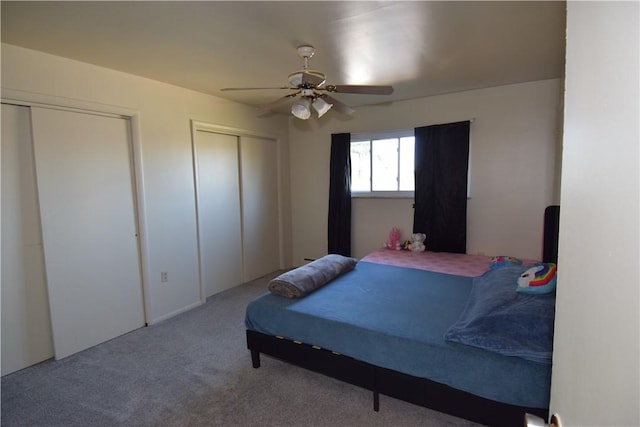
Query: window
[{"x": 382, "y": 164}]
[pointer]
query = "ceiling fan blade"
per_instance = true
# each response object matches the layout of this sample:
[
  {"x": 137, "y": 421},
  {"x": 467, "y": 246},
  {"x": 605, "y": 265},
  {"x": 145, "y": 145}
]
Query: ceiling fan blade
[
  {"x": 255, "y": 88},
  {"x": 311, "y": 79},
  {"x": 362, "y": 89},
  {"x": 278, "y": 102},
  {"x": 338, "y": 106}
]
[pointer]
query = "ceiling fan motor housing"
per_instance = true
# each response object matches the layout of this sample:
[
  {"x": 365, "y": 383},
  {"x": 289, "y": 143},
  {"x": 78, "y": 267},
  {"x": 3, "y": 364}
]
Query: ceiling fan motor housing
[{"x": 296, "y": 79}]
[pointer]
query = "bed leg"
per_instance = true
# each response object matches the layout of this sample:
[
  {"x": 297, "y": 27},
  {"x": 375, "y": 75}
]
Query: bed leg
[
  {"x": 255, "y": 358},
  {"x": 376, "y": 395}
]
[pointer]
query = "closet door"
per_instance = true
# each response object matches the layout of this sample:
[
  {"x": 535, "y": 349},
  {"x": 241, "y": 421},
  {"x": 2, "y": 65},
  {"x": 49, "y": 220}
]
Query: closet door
[
  {"x": 26, "y": 328},
  {"x": 87, "y": 207},
  {"x": 260, "y": 213},
  {"x": 218, "y": 199}
]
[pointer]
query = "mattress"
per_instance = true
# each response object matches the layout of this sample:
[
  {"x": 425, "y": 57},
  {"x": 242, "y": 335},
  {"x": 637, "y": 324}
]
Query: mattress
[{"x": 396, "y": 318}]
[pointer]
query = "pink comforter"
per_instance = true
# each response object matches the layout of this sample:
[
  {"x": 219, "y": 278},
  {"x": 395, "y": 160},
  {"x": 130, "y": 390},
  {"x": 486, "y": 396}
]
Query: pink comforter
[{"x": 441, "y": 262}]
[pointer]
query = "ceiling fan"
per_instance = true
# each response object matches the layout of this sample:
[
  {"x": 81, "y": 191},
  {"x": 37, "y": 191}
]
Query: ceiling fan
[{"x": 309, "y": 85}]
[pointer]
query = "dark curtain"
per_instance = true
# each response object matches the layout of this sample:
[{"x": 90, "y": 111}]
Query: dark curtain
[
  {"x": 441, "y": 164},
  {"x": 339, "y": 224}
]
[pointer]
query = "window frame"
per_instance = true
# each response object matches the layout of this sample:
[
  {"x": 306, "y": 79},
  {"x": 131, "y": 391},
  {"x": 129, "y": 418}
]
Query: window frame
[{"x": 370, "y": 136}]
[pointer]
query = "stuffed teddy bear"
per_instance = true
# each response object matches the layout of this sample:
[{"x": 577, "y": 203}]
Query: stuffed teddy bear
[
  {"x": 394, "y": 240},
  {"x": 417, "y": 242}
]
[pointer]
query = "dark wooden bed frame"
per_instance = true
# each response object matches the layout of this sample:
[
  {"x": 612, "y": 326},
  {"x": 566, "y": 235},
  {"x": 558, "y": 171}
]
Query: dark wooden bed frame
[
  {"x": 419, "y": 391},
  {"x": 395, "y": 384}
]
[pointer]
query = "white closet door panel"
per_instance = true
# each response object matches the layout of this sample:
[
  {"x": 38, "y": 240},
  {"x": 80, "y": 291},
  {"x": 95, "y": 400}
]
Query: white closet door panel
[
  {"x": 218, "y": 211},
  {"x": 26, "y": 328},
  {"x": 85, "y": 185},
  {"x": 260, "y": 219}
]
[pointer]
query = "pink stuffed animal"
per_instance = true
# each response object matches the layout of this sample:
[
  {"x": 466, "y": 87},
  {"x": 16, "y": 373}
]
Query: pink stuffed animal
[{"x": 394, "y": 240}]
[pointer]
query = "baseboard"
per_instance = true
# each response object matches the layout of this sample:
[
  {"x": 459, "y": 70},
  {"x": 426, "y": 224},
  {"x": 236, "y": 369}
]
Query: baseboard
[{"x": 175, "y": 313}]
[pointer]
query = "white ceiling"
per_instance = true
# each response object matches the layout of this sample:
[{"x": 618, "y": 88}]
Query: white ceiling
[{"x": 422, "y": 48}]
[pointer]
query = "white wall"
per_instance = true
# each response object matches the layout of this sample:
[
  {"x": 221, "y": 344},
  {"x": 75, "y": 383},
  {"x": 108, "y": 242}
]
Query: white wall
[
  {"x": 372, "y": 220},
  {"x": 596, "y": 348},
  {"x": 514, "y": 141},
  {"x": 167, "y": 186}
]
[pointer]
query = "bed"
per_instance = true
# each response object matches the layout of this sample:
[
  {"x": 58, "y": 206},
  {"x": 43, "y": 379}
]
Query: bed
[{"x": 381, "y": 325}]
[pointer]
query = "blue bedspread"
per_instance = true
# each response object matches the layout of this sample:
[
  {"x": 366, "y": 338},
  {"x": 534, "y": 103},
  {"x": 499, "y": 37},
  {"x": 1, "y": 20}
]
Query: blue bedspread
[
  {"x": 396, "y": 318},
  {"x": 497, "y": 318}
]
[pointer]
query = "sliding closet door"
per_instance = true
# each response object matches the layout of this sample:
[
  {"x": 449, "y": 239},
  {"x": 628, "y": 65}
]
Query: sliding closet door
[
  {"x": 260, "y": 219},
  {"x": 218, "y": 198},
  {"x": 26, "y": 329},
  {"x": 86, "y": 194}
]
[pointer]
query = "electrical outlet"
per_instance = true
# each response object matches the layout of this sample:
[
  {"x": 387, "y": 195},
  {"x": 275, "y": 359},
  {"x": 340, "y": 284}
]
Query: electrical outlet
[{"x": 164, "y": 277}]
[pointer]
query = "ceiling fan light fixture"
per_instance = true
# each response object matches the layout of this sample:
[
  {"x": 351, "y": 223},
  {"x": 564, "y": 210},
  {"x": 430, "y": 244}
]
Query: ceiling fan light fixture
[
  {"x": 321, "y": 106},
  {"x": 300, "y": 108}
]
